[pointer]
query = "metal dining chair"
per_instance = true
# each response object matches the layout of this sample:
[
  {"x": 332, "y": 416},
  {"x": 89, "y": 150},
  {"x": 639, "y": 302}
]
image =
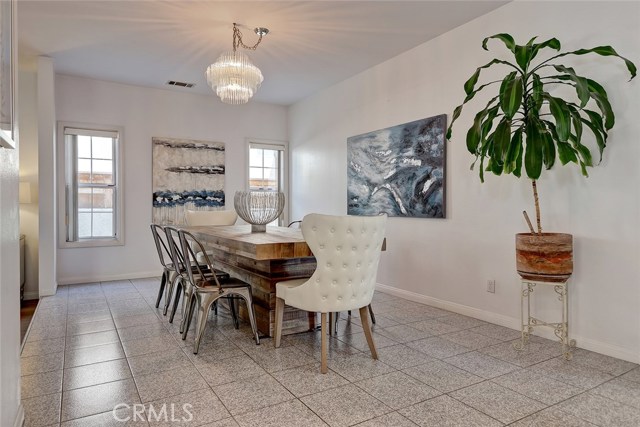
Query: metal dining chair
[
  {"x": 182, "y": 285},
  {"x": 169, "y": 273},
  {"x": 207, "y": 288},
  {"x": 347, "y": 251}
]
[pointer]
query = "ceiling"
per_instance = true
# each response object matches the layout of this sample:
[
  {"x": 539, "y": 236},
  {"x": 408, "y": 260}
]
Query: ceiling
[{"x": 311, "y": 44}]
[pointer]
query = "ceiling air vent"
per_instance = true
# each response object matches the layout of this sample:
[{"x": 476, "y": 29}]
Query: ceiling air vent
[{"x": 180, "y": 84}]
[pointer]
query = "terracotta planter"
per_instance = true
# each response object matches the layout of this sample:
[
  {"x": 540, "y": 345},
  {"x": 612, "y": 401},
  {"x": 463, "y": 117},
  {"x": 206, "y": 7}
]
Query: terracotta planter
[{"x": 546, "y": 257}]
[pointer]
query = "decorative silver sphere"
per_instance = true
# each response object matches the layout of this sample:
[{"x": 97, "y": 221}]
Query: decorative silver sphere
[{"x": 258, "y": 208}]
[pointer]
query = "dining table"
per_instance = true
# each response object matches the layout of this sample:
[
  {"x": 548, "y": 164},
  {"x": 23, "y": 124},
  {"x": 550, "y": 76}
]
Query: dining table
[{"x": 262, "y": 259}]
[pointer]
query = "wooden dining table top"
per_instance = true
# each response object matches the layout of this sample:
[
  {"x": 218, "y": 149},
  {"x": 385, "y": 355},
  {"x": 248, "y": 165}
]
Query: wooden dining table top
[{"x": 275, "y": 243}]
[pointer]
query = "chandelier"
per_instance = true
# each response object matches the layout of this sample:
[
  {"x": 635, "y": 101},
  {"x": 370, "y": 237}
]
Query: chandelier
[{"x": 233, "y": 76}]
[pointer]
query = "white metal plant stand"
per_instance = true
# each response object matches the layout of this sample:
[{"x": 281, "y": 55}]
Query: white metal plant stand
[{"x": 528, "y": 322}]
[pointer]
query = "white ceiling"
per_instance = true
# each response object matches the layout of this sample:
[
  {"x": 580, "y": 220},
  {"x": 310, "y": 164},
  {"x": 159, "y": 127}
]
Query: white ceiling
[{"x": 312, "y": 44}]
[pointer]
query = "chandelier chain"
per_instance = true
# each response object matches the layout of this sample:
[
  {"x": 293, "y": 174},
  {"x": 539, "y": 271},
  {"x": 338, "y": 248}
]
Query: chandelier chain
[{"x": 237, "y": 40}]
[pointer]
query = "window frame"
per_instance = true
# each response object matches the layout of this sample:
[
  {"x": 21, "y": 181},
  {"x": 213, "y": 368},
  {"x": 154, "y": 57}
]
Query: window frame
[
  {"x": 64, "y": 158},
  {"x": 282, "y": 146}
]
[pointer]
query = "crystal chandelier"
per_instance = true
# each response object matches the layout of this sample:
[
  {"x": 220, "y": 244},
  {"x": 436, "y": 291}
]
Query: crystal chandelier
[{"x": 233, "y": 76}]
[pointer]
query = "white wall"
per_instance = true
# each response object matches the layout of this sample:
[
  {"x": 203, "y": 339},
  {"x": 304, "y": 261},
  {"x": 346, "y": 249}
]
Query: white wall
[
  {"x": 29, "y": 213},
  {"x": 146, "y": 113},
  {"x": 46, "y": 116},
  {"x": 449, "y": 261},
  {"x": 11, "y": 411},
  {"x": 9, "y": 289}
]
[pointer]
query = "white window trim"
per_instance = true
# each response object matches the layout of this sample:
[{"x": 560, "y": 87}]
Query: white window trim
[
  {"x": 61, "y": 165},
  {"x": 274, "y": 145}
]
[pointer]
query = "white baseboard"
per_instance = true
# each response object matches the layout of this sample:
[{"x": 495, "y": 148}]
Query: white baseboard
[
  {"x": 31, "y": 295},
  {"x": 511, "y": 322},
  {"x": 93, "y": 279},
  {"x": 19, "y": 422}
]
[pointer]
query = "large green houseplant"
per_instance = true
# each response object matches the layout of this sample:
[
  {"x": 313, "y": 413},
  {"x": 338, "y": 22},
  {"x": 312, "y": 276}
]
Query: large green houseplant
[{"x": 527, "y": 125}]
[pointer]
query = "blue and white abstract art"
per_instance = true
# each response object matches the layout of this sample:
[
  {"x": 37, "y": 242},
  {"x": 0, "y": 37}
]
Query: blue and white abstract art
[
  {"x": 187, "y": 174},
  {"x": 399, "y": 171}
]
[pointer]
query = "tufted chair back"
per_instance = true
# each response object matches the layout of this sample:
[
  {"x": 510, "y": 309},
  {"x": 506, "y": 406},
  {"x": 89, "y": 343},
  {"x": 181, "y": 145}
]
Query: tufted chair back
[
  {"x": 347, "y": 251},
  {"x": 228, "y": 217}
]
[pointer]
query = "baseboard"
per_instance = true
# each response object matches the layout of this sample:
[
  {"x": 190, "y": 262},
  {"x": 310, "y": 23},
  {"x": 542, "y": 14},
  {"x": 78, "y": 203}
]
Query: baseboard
[
  {"x": 19, "y": 422},
  {"x": 31, "y": 295},
  {"x": 93, "y": 279},
  {"x": 511, "y": 322}
]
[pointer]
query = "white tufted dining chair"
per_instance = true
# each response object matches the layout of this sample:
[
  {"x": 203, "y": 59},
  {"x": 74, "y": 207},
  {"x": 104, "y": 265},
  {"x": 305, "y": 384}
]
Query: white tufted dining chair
[
  {"x": 347, "y": 251},
  {"x": 227, "y": 217}
]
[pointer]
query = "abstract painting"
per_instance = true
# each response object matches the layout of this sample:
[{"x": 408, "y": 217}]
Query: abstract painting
[
  {"x": 187, "y": 174},
  {"x": 399, "y": 170}
]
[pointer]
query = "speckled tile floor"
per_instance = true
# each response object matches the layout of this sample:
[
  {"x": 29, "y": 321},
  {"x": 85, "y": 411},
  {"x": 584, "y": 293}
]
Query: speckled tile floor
[{"x": 101, "y": 354}]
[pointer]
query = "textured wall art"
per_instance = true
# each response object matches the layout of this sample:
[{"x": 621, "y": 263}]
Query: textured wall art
[
  {"x": 186, "y": 174},
  {"x": 399, "y": 170}
]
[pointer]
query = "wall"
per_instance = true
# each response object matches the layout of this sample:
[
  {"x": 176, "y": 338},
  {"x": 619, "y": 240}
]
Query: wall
[
  {"x": 46, "y": 119},
  {"x": 9, "y": 289},
  {"x": 448, "y": 262},
  {"x": 145, "y": 113},
  {"x": 11, "y": 410},
  {"x": 29, "y": 216}
]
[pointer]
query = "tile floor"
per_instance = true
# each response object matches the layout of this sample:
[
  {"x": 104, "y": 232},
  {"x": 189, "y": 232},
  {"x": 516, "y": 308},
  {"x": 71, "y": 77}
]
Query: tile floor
[{"x": 97, "y": 346}]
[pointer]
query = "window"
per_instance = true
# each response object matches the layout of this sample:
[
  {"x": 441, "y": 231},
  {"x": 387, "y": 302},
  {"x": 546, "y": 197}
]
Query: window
[
  {"x": 267, "y": 170},
  {"x": 92, "y": 196}
]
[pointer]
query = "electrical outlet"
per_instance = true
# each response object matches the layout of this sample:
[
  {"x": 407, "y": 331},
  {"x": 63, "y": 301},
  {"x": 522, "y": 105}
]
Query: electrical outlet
[{"x": 491, "y": 286}]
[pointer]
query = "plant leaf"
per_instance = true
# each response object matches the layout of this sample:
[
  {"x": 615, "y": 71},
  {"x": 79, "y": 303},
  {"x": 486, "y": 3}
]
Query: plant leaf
[
  {"x": 561, "y": 114},
  {"x": 607, "y": 112},
  {"x": 566, "y": 153},
  {"x": 533, "y": 150},
  {"x": 473, "y": 136},
  {"x": 501, "y": 138},
  {"x": 582, "y": 86},
  {"x": 597, "y": 88},
  {"x": 487, "y": 124},
  {"x": 506, "y": 39},
  {"x": 471, "y": 83},
  {"x": 584, "y": 169},
  {"x": 454, "y": 117},
  {"x": 600, "y": 50},
  {"x": 551, "y": 43},
  {"x": 600, "y": 137},
  {"x": 523, "y": 56},
  {"x": 583, "y": 152},
  {"x": 518, "y": 170},
  {"x": 475, "y": 132},
  {"x": 576, "y": 121},
  {"x": 536, "y": 92},
  {"x": 548, "y": 150},
  {"x": 513, "y": 152},
  {"x": 596, "y": 119},
  {"x": 496, "y": 167},
  {"x": 511, "y": 94}
]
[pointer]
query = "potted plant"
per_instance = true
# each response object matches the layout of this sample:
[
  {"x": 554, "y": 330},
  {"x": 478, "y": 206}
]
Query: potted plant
[{"x": 527, "y": 126}]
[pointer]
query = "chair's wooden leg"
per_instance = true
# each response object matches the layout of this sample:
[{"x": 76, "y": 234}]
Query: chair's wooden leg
[
  {"x": 278, "y": 326},
  {"x": 367, "y": 331},
  {"x": 323, "y": 343},
  {"x": 330, "y": 323},
  {"x": 373, "y": 317}
]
